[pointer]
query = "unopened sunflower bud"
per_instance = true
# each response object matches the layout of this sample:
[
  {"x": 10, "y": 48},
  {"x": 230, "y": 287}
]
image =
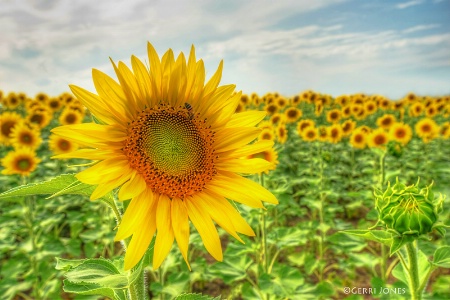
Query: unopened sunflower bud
[{"x": 408, "y": 210}]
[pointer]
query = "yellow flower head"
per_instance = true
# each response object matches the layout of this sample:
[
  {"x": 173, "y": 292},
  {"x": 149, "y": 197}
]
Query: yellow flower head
[
  {"x": 59, "y": 145},
  {"x": 174, "y": 146},
  {"x": 378, "y": 138},
  {"x": 335, "y": 133},
  {"x": 267, "y": 134},
  {"x": 70, "y": 116},
  {"x": 8, "y": 120},
  {"x": 401, "y": 133},
  {"x": 282, "y": 133},
  {"x": 303, "y": 124},
  {"x": 386, "y": 121},
  {"x": 39, "y": 117},
  {"x": 271, "y": 108},
  {"x": 270, "y": 155},
  {"x": 427, "y": 129},
  {"x": 12, "y": 101},
  {"x": 54, "y": 103},
  {"x": 24, "y": 136},
  {"x": 292, "y": 114},
  {"x": 333, "y": 116},
  {"x": 416, "y": 109},
  {"x": 347, "y": 127},
  {"x": 370, "y": 106},
  {"x": 309, "y": 134},
  {"x": 277, "y": 118},
  {"x": 22, "y": 161},
  {"x": 358, "y": 139},
  {"x": 322, "y": 133}
]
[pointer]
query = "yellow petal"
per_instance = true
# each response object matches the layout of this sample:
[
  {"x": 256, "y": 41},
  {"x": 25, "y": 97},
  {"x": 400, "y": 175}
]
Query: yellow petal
[
  {"x": 233, "y": 138},
  {"x": 155, "y": 71},
  {"x": 136, "y": 212},
  {"x": 141, "y": 239},
  {"x": 164, "y": 236},
  {"x": 105, "y": 170},
  {"x": 245, "y": 165},
  {"x": 132, "y": 187},
  {"x": 105, "y": 187},
  {"x": 144, "y": 83},
  {"x": 180, "y": 225},
  {"x": 93, "y": 154},
  {"x": 246, "y": 119},
  {"x": 228, "y": 209},
  {"x": 247, "y": 150},
  {"x": 213, "y": 83},
  {"x": 202, "y": 221}
]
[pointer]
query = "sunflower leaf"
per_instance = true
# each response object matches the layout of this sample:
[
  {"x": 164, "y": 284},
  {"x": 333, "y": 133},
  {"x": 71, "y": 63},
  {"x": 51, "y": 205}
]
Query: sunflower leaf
[
  {"x": 60, "y": 185},
  {"x": 188, "y": 296}
]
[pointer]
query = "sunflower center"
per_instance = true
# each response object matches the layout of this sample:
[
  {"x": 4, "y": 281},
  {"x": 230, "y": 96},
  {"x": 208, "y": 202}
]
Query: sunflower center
[
  {"x": 7, "y": 127},
  {"x": 23, "y": 164},
  {"x": 172, "y": 150},
  {"x": 400, "y": 133},
  {"x": 379, "y": 139}
]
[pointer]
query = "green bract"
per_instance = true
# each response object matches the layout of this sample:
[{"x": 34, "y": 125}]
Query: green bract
[{"x": 409, "y": 210}]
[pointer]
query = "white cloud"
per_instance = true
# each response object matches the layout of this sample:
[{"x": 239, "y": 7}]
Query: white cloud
[
  {"x": 404, "y": 5},
  {"x": 420, "y": 28}
]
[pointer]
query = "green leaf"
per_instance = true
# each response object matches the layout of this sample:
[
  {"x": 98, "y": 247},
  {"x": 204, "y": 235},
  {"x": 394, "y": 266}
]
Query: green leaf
[
  {"x": 379, "y": 236},
  {"x": 398, "y": 242},
  {"x": 442, "y": 257},
  {"x": 60, "y": 185},
  {"x": 188, "y": 296}
]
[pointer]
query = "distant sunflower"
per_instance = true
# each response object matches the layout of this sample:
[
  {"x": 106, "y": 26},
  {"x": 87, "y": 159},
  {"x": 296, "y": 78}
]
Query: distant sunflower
[
  {"x": 346, "y": 111},
  {"x": 370, "y": 107},
  {"x": 281, "y": 102},
  {"x": 12, "y": 101},
  {"x": 41, "y": 97},
  {"x": 59, "y": 145},
  {"x": 70, "y": 116},
  {"x": 282, "y": 133},
  {"x": 292, "y": 114},
  {"x": 333, "y": 116},
  {"x": 271, "y": 108},
  {"x": 401, "y": 133},
  {"x": 347, "y": 127},
  {"x": 427, "y": 129},
  {"x": 303, "y": 124},
  {"x": 318, "y": 109},
  {"x": 55, "y": 103},
  {"x": 309, "y": 134},
  {"x": 334, "y": 133},
  {"x": 378, "y": 139},
  {"x": 277, "y": 118},
  {"x": 445, "y": 130},
  {"x": 431, "y": 111},
  {"x": 386, "y": 121},
  {"x": 322, "y": 133},
  {"x": 7, "y": 122},
  {"x": 267, "y": 134},
  {"x": 416, "y": 109},
  {"x": 24, "y": 136},
  {"x": 21, "y": 161},
  {"x": 174, "y": 146},
  {"x": 358, "y": 139},
  {"x": 39, "y": 117}
]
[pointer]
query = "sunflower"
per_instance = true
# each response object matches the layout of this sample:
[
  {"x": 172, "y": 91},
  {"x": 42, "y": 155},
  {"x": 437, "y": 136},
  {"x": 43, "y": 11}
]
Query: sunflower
[
  {"x": 309, "y": 134},
  {"x": 270, "y": 155},
  {"x": 384, "y": 103},
  {"x": 431, "y": 111},
  {"x": 41, "y": 97},
  {"x": 296, "y": 100},
  {"x": 292, "y": 114},
  {"x": 358, "y": 139},
  {"x": 174, "y": 146},
  {"x": 55, "y": 103},
  {"x": 370, "y": 107},
  {"x": 7, "y": 122},
  {"x": 378, "y": 139},
  {"x": 401, "y": 133},
  {"x": 22, "y": 161},
  {"x": 342, "y": 100},
  {"x": 59, "y": 145},
  {"x": 70, "y": 116},
  {"x": 271, "y": 109},
  {"x": 347, "y": 127},
  {"x": 266, "y": 134},
  {"x": 334, "y": 133},
  {"x": 24, "y": 136},
  {"x": 427, "y": 129},
  {"x": 333, "y": 116},
  {"x": 277, "y": 118},
  {"x": 322, "y": 133},
  {"x": 416, "y": 109},
  {"x": 12, "y": 101},
  {"x": 303, "y": 124},
  {"x": 445, "y": 130},
  {"x": 346, "y": 111},
  {"x": 318, "y": 109},
  {"x": 39, "y": 117},
  {"x": 282, "y": 133},
  {"x": 386, "y": 121},
  {"x": 281, "y": 102}
]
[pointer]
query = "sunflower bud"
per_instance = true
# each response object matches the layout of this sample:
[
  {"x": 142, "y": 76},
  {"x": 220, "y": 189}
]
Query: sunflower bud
[{"x": 408, "y": 210}]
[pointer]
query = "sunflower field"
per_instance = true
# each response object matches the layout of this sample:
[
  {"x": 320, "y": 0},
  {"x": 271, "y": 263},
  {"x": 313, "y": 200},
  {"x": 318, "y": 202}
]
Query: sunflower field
[{"x": 361, "y": 181}]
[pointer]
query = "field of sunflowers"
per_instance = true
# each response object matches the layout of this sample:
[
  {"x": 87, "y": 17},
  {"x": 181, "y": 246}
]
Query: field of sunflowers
[{"x": 333, "y": 158}]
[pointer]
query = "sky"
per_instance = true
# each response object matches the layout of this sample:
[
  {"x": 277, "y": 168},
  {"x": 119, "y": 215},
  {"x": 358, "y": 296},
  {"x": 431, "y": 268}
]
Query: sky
[{"x": 333, "y": 47}]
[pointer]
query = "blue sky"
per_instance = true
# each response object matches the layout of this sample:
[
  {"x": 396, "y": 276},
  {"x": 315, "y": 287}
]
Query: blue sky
[{"x": 334, "y": 46}]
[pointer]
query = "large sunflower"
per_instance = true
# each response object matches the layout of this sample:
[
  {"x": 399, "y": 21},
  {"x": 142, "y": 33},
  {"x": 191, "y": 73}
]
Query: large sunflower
[{"x": 174, "y": 146}]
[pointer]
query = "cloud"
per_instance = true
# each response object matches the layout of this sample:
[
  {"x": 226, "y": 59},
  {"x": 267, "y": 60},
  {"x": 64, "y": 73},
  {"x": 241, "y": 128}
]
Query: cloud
[
  {"x": 404, "y": 5},
  {"x": 420, "y": 28}
]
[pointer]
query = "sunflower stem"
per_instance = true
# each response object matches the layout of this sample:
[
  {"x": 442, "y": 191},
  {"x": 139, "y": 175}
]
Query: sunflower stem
[
  {"x": 413, "y": 273},
  {"x": 263, "y": 233},
  {"x": 383, "y": 258}
]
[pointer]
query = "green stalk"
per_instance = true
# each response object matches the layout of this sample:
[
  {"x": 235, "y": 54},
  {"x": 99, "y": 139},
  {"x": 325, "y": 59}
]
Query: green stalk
[
  {"x": 321, "y": 211},
  {"x": 137, "y": 289},
  {"x": 413, "y": 273},
  {"x": 263, "y": 233},
  {"x": 383, "y": 258}
]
